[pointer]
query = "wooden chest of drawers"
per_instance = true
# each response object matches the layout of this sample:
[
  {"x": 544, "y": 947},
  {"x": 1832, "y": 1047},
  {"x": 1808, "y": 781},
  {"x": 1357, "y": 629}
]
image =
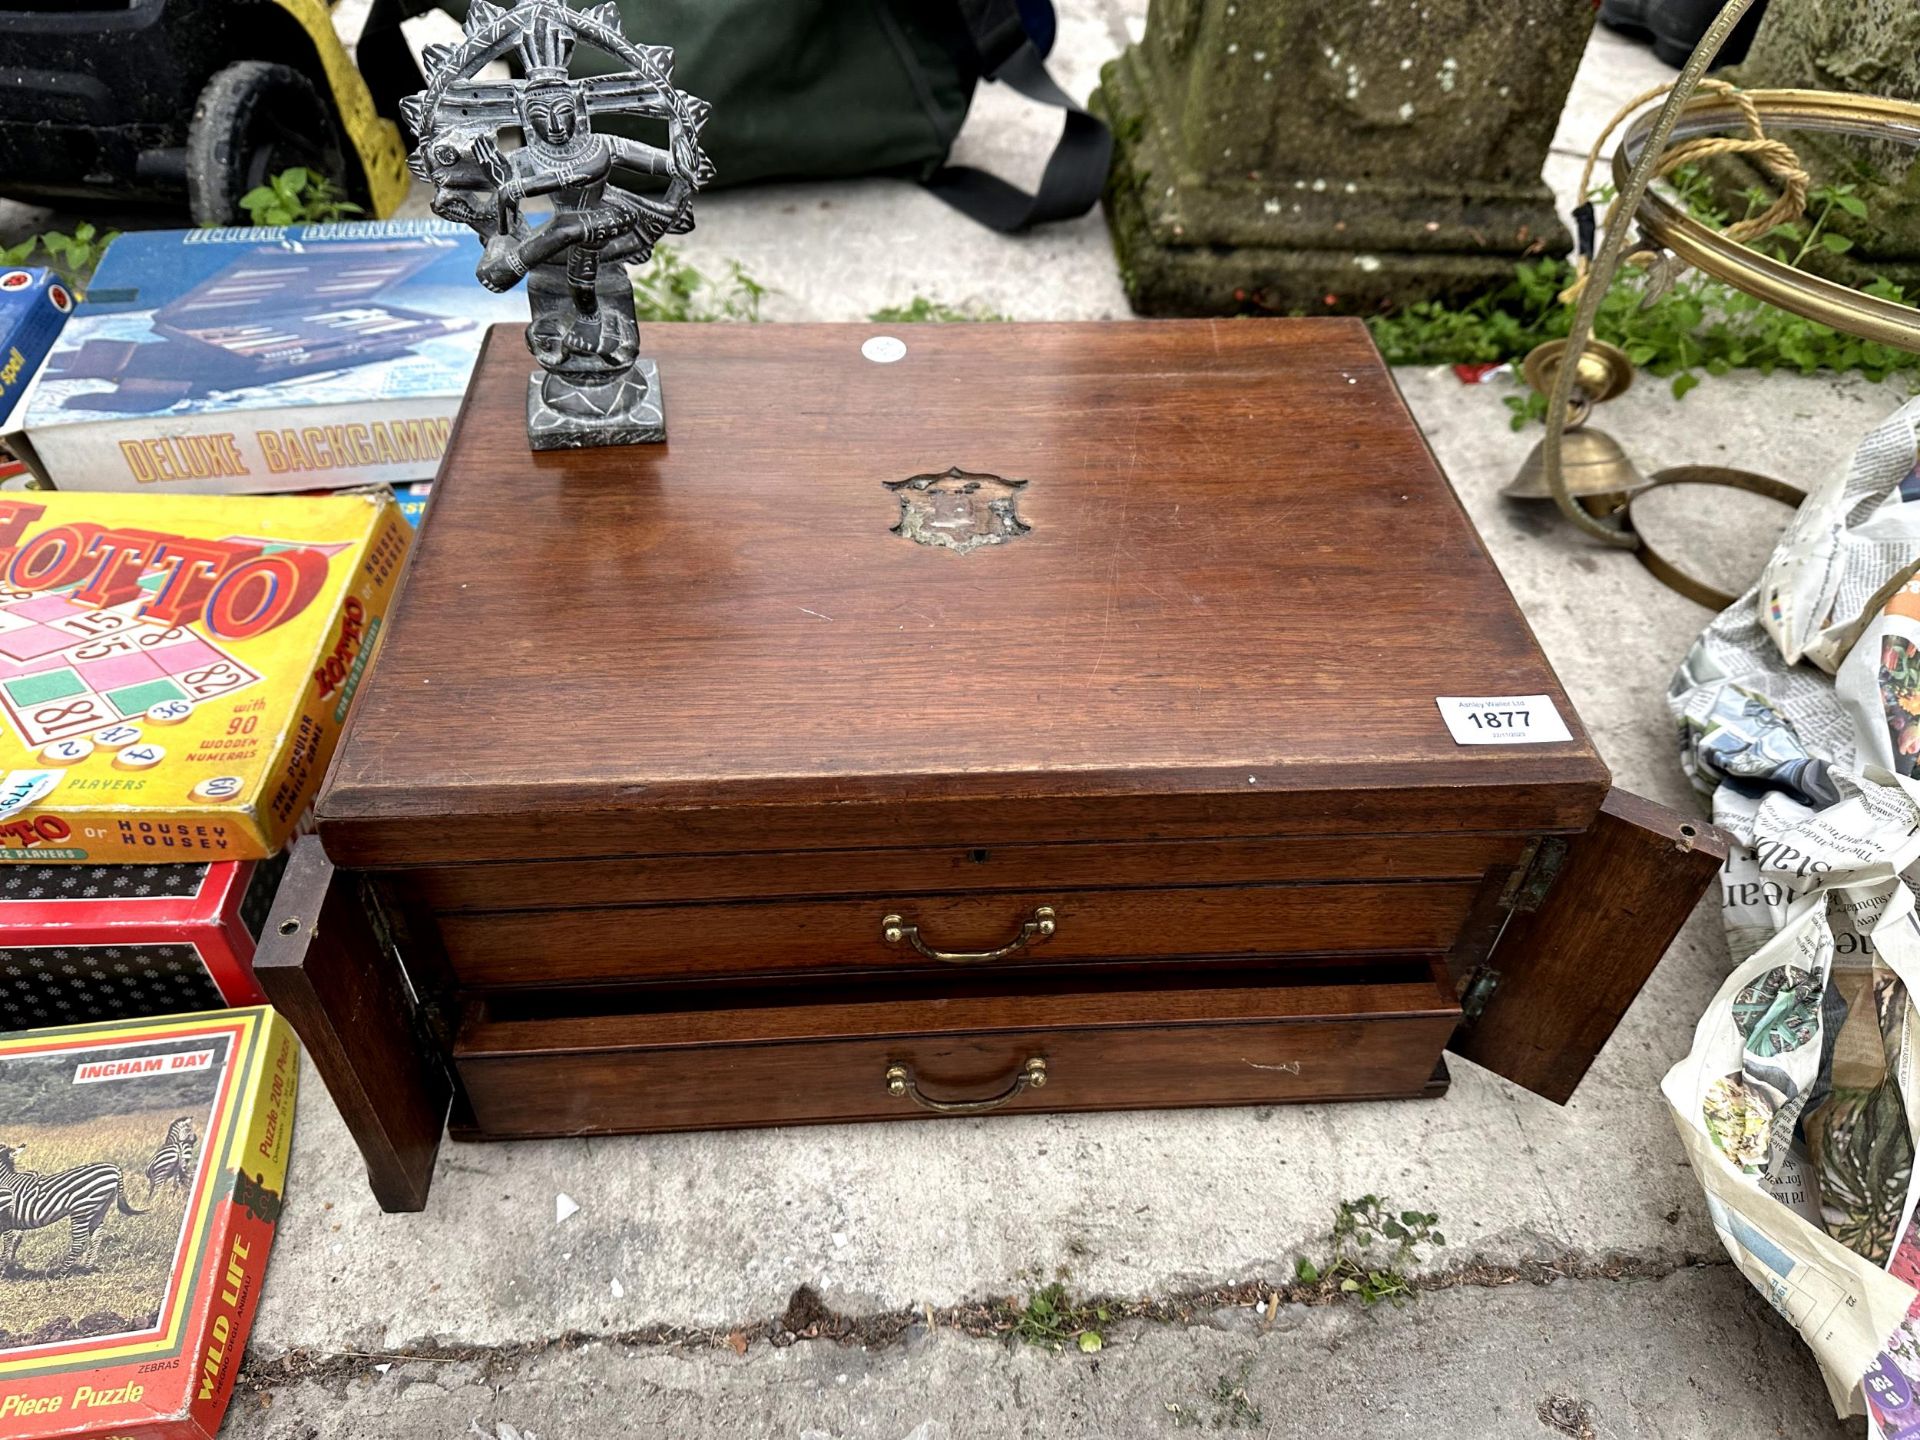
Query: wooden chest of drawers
[{"x": 1045, "y": 719}]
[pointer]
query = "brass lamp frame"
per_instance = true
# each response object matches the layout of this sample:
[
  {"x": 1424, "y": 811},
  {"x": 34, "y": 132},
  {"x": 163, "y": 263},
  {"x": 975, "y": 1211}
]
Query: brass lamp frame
[
  {"x": 1666, "y": 224},
  {"x": 1874, "y": 117}
]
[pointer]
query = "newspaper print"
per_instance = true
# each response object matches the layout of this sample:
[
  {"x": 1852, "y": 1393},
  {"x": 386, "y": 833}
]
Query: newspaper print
[
  {"x": 1842, "y": 546},
  {"x": 1799, "y": 717}
]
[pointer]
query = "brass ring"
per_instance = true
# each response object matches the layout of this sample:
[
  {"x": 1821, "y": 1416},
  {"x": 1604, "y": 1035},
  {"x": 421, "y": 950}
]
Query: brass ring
[
  {"x": 1663, "y": 569},
  {"x": 1748, "y": 270},
  {"x": 1604, "y": 371}
]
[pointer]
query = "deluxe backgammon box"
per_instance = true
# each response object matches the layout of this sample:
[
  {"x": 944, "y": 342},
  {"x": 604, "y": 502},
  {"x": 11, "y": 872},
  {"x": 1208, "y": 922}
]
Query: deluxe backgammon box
[
  {"x": 997, "y": 718},
  {"x": 142, "y": 1165},
  {"x": 111, "y": 942},
  {"x": 174, "y": 671},
  {"x": 254, "y": 360}
]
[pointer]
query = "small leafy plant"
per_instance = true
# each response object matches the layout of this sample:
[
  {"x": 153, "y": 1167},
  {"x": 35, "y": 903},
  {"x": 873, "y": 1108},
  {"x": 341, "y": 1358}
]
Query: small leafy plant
[
  {"x": 1372, "y": 1248},
  {"x": 922, "y": 308},
  {"x": 75, "y": 256},
  {"x": 1232, "y": 1409},
  {"x": 1052, "y": 1320},
  {"x": 1673, "y": 331},
  {"x": 672, "y": 289},
  {"x": 298, "y": 196}
]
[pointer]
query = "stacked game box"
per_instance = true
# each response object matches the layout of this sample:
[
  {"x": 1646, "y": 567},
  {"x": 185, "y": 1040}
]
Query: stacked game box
[
  {"x": 259, "y": 360},
  {"x": 141, "y": 1169},
  {"x": 34, "y": 304},
  {"x": 175, "y": 670},
  {"x": 113, "y": 942},
  {"x": 412, "y": 500}
]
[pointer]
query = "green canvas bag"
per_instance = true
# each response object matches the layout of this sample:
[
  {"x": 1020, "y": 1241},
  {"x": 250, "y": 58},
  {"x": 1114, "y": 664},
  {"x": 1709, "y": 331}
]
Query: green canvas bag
[{"x": 837, "y": 88}]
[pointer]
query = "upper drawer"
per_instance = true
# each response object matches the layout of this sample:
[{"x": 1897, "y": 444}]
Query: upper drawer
[
  {"x": 558, "y": 884},
  {"x": 671, "y": 942}
]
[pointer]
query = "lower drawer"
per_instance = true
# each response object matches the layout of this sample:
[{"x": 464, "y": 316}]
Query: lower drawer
[{"x": 1133, "y": 1043}]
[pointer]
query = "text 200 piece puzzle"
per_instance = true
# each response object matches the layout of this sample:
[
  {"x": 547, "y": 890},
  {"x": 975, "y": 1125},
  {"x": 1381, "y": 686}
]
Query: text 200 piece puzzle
[
  {"x": 174, "y": 671},
  {"x": 141, "y": 1168}
]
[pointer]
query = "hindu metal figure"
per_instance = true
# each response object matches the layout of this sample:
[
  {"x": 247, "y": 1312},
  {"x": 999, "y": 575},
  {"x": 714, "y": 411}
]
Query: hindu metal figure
[{"x": 593, "y": 387}]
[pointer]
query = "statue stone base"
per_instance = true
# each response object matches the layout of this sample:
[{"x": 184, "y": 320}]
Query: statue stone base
[
  {"x": 1332, "y": 156},
  {"x": 627, "y": 411}
]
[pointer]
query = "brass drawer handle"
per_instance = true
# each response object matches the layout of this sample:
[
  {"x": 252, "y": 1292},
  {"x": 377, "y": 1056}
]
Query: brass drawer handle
[
  {"x": 900, "y": 1081},
  {"x": 1036, "y": 931}
]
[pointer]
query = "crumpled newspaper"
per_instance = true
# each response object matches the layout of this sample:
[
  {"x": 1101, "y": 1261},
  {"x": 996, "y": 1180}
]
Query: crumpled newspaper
[{"x": 1799, "y": 1102}]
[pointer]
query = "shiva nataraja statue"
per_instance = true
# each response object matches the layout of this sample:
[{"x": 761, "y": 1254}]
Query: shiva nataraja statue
[{"x": 592, "y": 388}]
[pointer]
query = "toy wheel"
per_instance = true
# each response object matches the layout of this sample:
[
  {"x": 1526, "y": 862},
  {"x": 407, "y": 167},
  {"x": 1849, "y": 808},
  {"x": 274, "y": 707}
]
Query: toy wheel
[{"x": 254, "y": 120}]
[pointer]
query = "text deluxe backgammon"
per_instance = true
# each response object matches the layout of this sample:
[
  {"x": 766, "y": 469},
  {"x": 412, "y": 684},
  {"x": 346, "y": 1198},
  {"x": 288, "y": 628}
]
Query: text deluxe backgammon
[{"x": 250, "y": 360}]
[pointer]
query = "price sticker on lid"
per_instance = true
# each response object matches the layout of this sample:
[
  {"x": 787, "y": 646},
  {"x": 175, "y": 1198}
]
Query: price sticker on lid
[{"x": 1502, "y": 719}]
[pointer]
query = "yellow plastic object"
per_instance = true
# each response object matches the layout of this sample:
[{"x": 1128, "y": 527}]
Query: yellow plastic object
[{"x": 375, "y": 139}]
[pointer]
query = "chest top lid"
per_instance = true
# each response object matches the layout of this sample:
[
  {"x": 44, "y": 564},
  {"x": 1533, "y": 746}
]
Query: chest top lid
[{"x": 1024, "y": 582}]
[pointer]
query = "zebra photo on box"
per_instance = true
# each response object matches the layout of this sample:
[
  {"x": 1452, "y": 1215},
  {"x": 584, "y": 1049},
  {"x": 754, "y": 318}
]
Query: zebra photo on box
[
  {"x": 83, "y": 1196},
  {"x": 173, "y": 1163}
]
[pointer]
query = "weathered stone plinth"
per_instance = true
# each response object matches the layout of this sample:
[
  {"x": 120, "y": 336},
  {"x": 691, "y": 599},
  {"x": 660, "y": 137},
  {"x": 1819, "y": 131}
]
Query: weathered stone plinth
[
  {"x": 1334, "y": 156},
  {"x": 1864, "y": 47}
]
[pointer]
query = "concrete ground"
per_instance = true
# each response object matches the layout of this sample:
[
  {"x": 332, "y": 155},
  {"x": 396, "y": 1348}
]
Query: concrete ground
[{"x": 1582, "y": 1293}]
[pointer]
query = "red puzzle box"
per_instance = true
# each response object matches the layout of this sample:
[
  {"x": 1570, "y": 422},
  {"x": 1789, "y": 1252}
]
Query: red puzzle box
[{"x": 115, "y": 942}]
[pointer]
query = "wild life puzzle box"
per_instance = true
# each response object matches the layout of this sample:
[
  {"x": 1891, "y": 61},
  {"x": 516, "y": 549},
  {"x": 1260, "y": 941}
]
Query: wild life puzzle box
[
  {"x": 141, "y": 1170},
  {"x": 175, "y": 670},
  {"x": 256, "y": 360}
]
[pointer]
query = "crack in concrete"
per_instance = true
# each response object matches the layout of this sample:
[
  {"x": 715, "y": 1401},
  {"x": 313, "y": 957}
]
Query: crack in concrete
[{"x": 809, "y": 1318}]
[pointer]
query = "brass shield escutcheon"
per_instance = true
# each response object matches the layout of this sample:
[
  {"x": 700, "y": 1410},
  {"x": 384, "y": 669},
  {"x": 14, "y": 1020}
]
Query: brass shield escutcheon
[{"x": 958, "y": 510}]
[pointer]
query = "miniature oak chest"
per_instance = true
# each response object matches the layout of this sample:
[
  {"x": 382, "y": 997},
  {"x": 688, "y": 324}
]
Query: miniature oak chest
[{"x": 957, "y": 718}]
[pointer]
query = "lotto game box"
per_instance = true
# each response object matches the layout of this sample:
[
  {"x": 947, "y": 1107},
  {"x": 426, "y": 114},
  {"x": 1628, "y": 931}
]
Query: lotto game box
[
  {"x": 257, "y": 360},
  {"x": 34, "y": 304},
  {"x": 175, "y": 670},
  {"x": 115, "y": 942},
  {"x": 143, "y": 1164}
]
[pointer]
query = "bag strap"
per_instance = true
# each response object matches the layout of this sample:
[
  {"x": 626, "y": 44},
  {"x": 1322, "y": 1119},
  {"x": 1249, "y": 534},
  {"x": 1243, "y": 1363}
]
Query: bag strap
[
  {"x": 1076, "y": 172},
  {"x": 996, "y": 30}
]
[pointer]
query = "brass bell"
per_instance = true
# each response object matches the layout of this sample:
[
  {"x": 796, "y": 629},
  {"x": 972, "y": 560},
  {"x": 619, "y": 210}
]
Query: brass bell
[{"x": 1597, "y": 471}]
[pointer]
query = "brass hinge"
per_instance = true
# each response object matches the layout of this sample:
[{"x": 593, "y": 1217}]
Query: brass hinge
[
  {"x": 381, "y": 924},
  {"x": 1480, "y": 988},
  {"x": 1528, "y": 886},
  {"x": 430, "y": 1020}
]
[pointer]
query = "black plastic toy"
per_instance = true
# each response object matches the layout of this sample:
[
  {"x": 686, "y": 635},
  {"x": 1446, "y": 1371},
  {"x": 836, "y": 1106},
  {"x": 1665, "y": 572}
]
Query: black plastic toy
[{"x": 186, "y": 103}]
